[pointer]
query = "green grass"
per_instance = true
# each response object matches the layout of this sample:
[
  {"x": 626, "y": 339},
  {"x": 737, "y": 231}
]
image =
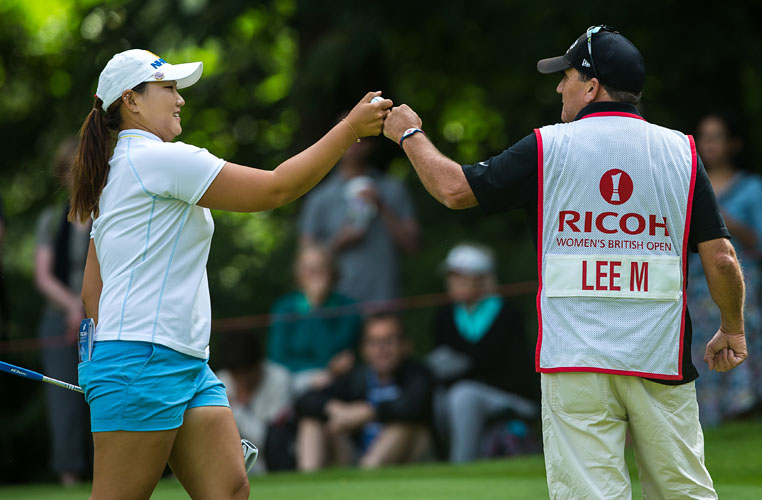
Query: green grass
[{"x": 734, "y": 457}]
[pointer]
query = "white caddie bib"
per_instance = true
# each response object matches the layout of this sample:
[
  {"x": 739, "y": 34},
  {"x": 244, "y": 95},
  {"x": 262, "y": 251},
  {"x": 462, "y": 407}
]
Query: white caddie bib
[{"x": 614, "y": 204}]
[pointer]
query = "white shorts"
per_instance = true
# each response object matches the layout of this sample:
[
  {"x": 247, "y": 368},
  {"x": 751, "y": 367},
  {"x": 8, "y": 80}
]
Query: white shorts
[{"x": 585, "y": 418}]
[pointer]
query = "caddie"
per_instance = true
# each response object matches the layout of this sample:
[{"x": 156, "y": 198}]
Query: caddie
[{"x": 617, "y": 204}]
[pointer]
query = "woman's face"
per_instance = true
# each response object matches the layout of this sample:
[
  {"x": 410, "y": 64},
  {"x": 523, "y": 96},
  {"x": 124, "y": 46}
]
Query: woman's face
[
  {"x": 713, "y": 143},
  {"x": 466, "y": 288},
  {"x": 156, "y": 110}
]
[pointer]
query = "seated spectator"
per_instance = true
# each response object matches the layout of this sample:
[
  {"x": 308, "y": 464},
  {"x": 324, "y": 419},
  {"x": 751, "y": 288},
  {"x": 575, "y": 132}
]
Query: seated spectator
[
  {"x": 315, "y": 343},
  {"x": 481, "y": 360},
  {"x": 377, "y": 412},
  {"x": 259, "y": 391}
]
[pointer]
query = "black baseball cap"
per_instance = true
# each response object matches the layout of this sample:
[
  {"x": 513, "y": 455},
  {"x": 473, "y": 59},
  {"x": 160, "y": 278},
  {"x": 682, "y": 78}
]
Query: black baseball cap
[{"x": 615, "y": 60}]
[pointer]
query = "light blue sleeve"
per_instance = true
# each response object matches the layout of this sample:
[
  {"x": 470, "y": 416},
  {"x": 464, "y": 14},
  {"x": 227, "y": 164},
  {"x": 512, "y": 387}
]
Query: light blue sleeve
[
  {"x": 752, "y": 207},
  {"x": 741, "y": 202}
]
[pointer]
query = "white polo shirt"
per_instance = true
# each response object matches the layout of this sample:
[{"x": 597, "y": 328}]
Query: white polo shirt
[{"x": 152, "y": 242}]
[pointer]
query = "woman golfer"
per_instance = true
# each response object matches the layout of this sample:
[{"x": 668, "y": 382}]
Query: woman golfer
[{"x": 152, "y": 396}]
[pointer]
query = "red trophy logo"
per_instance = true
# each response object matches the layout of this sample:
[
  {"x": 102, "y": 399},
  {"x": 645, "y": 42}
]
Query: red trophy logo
[{"x": 616, "y": 186}]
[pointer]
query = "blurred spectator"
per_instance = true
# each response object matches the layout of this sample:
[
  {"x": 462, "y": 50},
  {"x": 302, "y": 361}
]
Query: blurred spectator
[
  {"x": 377, "y": 412},
  {"x": 315, "y": 343},
  {"x": 259, "y": 391},
  {"x": 4, "y": 319},
  {"x": 366, "y": 218},
  {"x": 719, "y": 139},
  {"x": 59, "y": 266},
  {"x": 481, "y": 359}
]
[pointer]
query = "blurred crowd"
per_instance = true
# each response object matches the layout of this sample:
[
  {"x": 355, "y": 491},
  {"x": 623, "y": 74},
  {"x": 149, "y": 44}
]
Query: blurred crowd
[{"x": 337, "y": 383}]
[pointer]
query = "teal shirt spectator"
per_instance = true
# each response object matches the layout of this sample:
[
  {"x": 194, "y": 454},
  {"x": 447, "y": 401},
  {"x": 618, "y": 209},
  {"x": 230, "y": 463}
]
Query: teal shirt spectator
[{"x": 302, "y": 338}]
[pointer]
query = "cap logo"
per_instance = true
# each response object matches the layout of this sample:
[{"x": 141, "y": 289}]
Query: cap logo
[
  {"x": 616, "y": 186},
  {"x": 585, "y": 63},
  {"x": 158, "y": 62},
  {"x": 158, "y": 75}
]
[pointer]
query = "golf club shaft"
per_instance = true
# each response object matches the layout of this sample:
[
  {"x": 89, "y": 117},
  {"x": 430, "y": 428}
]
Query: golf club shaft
[
  {"x": 31, "y": 374},
  {"x": 250, "y": 451}
]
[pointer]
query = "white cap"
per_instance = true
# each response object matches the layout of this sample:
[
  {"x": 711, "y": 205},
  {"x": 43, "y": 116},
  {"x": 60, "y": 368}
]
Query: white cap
[
  {"x": 469, "y": 259},
  {"x": 129, "y": 68}
]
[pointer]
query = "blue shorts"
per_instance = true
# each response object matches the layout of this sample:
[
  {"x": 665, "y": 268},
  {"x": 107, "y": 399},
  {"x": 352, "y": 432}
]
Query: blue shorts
[{"x": 140, "y": 386}]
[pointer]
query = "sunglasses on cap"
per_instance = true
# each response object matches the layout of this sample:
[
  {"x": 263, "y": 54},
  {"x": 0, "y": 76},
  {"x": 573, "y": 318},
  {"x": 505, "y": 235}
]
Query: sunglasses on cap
[{"x": 592, "y": 30}]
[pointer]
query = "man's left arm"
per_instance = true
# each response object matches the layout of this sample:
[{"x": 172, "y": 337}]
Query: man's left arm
[{"x": 709, "y": 236}]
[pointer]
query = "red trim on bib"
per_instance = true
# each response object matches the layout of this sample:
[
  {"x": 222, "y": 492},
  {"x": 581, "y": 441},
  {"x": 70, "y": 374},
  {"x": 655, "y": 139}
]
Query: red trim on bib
[
  {"x": 540, "y": 230},
  {"x": 686, "y": 233},
  {"x": 539, "y": 246},
  {"x": 608, "y": 371},
  {"x": 613, "y": 113}
]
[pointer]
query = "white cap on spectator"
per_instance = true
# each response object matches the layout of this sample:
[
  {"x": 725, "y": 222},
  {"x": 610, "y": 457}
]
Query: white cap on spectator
[
  {"x": 132, "y": 67},
  {"x": 469, "y": 259}
]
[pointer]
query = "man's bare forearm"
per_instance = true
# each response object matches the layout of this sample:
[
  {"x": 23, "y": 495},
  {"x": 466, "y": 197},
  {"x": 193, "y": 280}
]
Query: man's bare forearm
[
  {"x": 725, "y": 281},
  {"x": 728, "y": 292},
  {"x": 442, "y": 177}
]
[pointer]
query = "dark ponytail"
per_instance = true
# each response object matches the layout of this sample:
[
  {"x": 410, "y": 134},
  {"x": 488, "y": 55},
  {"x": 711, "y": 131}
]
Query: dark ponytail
[{"x": 90, "y": 170}]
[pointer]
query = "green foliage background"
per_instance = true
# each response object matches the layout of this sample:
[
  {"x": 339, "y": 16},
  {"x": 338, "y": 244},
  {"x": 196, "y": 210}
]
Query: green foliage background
[{"x": 277, "y": 73}]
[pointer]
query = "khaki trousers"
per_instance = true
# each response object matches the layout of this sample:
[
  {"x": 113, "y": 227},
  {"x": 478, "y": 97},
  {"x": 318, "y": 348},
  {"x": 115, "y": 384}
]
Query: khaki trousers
[{"x": 585, "y": 418}]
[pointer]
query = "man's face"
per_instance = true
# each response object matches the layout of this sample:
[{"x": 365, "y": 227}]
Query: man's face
[
  {"x": 573, "y": 92},
  {"x": 383, "y": 347}
]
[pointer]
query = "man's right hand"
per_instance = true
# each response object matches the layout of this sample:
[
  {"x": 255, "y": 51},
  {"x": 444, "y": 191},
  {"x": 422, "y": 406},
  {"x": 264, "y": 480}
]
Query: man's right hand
[
  {"x": 400, "y": 119},
  {"x": 725, "y": 351}
]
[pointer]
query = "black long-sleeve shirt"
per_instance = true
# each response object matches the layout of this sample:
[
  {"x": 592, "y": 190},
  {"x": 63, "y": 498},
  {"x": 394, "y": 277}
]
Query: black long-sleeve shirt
[
  {"x": 413, "y": 403},
  {"x": 502, "y": 358}
]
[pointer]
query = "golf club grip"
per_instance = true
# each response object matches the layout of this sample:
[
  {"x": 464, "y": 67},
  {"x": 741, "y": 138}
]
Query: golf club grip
[
  {"x": 21, "y": 372},
  {"x": 31, "y": 374}
]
